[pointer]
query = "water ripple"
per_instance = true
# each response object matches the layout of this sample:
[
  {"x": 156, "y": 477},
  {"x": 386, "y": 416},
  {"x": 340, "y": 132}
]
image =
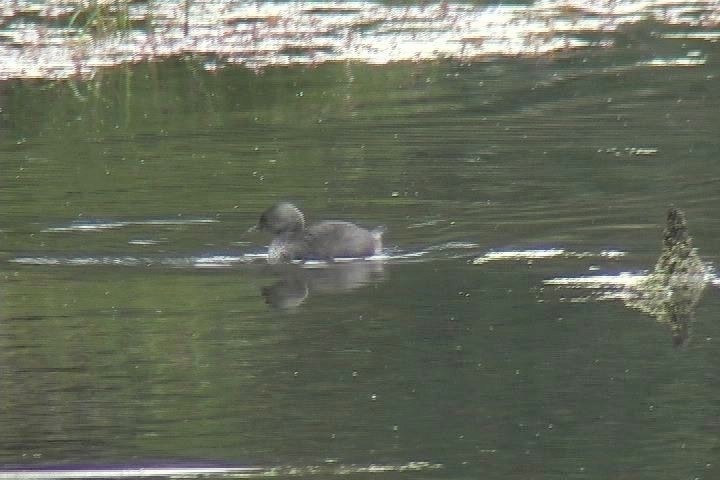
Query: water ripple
[
  {"x": 515, "y": 255},
  {"x": 259, "y": 35},
  {"x": 100, "y": 226}
]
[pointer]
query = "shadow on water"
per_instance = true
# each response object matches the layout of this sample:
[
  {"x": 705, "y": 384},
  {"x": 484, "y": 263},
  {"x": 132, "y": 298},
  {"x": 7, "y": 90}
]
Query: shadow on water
[{"x": 297, "y": 283}]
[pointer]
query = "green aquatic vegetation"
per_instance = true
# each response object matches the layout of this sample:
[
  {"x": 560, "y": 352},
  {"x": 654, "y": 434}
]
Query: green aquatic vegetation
[
  {"x": 672, "y": 290},
  {"x": 102, "y": 17}
]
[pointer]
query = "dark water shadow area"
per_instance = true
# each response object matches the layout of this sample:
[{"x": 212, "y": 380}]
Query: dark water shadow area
[{"x": 297, "y": 284}]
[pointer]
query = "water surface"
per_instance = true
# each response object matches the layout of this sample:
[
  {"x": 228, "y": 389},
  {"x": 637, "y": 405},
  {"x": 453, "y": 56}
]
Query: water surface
[{"x": 140, "y": 326}]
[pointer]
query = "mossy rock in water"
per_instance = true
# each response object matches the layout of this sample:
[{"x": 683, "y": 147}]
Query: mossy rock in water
[{"x": 672, "y": 290}]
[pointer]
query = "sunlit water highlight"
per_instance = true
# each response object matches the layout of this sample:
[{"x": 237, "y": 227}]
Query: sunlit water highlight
[
  {"x": 215, "y": 472},
  {"x": 607, "y": 283},
  {"x": 447, "y": 250},
  {"x": 99, "y": 226},
  {"x": 310, "y": 33},
  {"x": 543, "y": 254}
]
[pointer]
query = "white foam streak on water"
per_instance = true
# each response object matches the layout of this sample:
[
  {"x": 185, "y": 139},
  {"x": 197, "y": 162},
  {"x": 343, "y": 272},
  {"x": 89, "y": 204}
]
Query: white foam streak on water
[
  {"x": 144, "y": 242},
  {"x": 674, "y": 62},
  {"x": 621, "y": 280},
  {"x": 210, "y": 261},
  {"x": 128, "y": 473},
  {"x": 221, "y": 261},
  {"x": 87, "y": 227},
  {"x": 214, "y": 261},
  {"x": 100, "y": 226},
  {"x": 712, "y": 36},
  {"x": 541, "y": 254},
  {"x": 397, "y": 254},
  {"x": 454, "y": 246},
  {"x": 519, "y": 255},
  {"x": 216, "y": 472}
]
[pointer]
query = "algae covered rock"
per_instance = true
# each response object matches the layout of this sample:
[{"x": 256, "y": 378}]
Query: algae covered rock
[{"x": 672, "y": 290}]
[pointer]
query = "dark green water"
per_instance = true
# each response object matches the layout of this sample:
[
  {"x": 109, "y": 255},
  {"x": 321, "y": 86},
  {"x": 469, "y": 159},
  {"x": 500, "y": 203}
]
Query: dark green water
[{"x": 138, "y": 327}]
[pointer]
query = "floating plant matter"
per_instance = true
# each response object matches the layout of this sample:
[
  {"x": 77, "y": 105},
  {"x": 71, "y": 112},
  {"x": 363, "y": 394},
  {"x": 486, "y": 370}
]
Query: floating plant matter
[{"x": 669, "y": 292}]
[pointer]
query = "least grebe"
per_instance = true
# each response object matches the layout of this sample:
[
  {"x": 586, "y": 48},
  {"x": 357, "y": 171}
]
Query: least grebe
[{"x": 326, "y": 240}]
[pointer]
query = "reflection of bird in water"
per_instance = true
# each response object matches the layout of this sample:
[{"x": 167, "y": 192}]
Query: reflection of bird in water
[
  {"x": 327, "y": 240},
  {"x": 672, "y": 290},
  {"x": 298, "y": 283}
]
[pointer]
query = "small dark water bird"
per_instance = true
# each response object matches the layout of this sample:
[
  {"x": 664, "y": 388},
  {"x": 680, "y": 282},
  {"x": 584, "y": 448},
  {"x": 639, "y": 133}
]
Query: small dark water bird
[{"x": 326, "y": 240}]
